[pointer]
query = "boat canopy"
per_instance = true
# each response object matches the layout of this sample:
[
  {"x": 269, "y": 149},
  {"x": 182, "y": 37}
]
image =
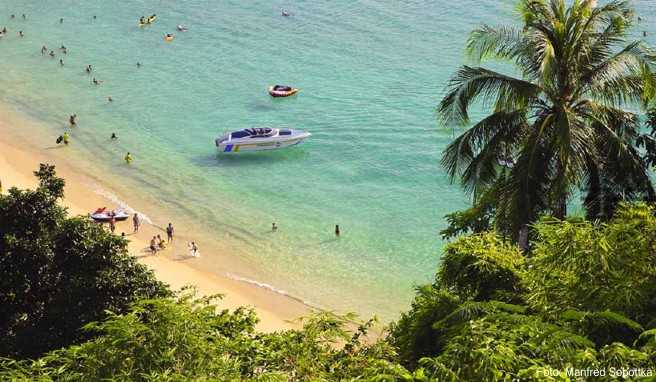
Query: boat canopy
[{"x": 259, "y": 132}]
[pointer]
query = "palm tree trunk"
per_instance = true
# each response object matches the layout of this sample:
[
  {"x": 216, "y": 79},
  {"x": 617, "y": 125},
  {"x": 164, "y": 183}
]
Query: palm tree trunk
[
  {"x": 522, "y": 239},
  {"x": 560, "y": 210}
]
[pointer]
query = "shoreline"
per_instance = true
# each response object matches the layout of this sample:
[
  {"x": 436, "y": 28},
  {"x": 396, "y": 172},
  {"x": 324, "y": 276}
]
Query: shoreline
[{"x": 19, "y": 158}]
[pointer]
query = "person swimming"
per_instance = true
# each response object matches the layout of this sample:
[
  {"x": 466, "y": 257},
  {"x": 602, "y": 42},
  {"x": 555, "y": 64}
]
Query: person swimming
[
  {"x": 182, "y": 28},
  {"x": 61, "y": 21},
  {"x": 61, "y": 62},
  {"x": 113, "y": 137},
  {"x": 52, "y": 53},
  {"x": 13, "y": 16},
  {"x": 109, "y": 99},
  {"x": 284, "y": 13},
  {"x": 138, "y": 64},
  {"x": 44, "y": 50},
  {"x": 20, "y": 33},
  {"x": 142, "y": 20},
  {"x": 4, "y": 30},
  {"x": 88, "y": 69},
  {"x": 24, "y": 17},
  {"x": 96, "y": 82}
]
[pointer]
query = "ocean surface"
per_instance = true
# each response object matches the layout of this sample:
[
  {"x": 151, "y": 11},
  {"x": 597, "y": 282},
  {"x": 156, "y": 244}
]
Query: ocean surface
[{"x": 370, "y": 74}]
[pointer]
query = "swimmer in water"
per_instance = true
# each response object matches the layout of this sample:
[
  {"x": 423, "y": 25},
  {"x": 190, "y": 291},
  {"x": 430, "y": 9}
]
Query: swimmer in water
[
  {"x": 274, "y": 227},
  {"x": 109, "y": 99},
  {"x": 88, "y": 69},
  {"x": 138, "y": 64},
  {"x": 44, "y": 49},
  {"x": 337, "y": 231},
  {"x": 72, "y": 120},
  {"x": 182, "y": 28},
  {"x": 113, "y": 137},
  {"x": 61, "y": 62},
  {"x": 61, "y": 21},
  {"x": 128, "y": 158},
  {"x": 4, "y": 30},
  {"x": 96, "y": 82},
  {"x": 20, "y": 33},
  {"x": 24, "y": 17},
  {"x": 13, "y": 16},
  {"x": 52, "y": 53},
  {"x": 284, "y": 13}
]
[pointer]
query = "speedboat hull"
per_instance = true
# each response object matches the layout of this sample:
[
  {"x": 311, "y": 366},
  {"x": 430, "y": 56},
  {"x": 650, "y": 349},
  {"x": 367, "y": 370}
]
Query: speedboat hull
[{"x": 277, "y": 139}]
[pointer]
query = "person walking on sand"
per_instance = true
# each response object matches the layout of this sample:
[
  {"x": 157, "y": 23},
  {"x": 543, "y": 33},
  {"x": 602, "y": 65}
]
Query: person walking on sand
[
  {"x": 193, "y": 250},
  {"x": 169, "y": 233},
  {"x": 153, "y": 246},
  {"x": 112, "y": 222},
  {"x": 337, "y": 230},
  {"x": 136, "y": 222}
]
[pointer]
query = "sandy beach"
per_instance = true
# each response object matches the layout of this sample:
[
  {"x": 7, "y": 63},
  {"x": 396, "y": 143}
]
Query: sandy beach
[{"x": 20, "y": 157}]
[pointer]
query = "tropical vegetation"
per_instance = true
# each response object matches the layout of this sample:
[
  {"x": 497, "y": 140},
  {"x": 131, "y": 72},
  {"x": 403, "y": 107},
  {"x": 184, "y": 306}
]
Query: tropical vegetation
[
  {"x": 564, "y": 119},
  {"x": 575, "y": 300}
]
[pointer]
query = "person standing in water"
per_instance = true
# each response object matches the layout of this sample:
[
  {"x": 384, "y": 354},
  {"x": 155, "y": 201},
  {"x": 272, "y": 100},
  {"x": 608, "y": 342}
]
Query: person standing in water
[
  {"x": 20, "y": 33},
  {"x": 65, "y": 137},
  {"x": 337, "y": 230},
  {"x": 169, "y": 233},
  {"x": 61, "y": 62},
  {"x": 72, "y": 120},
  {"x": 113, "y": 138},
  {"x": 128, "y": 158},
  {"x": 274, "y": 227},
  {"x": 61, "y": 21},
  {"x": 44, "y": 49}
]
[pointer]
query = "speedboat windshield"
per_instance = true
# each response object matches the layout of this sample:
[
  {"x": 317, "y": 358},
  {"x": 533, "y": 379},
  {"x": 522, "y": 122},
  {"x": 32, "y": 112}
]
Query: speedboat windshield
[{"x": 259, "y": 132}]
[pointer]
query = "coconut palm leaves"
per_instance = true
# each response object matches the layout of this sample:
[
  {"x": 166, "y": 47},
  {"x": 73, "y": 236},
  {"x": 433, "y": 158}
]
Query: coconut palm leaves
[{"x": 566, "y": 109}]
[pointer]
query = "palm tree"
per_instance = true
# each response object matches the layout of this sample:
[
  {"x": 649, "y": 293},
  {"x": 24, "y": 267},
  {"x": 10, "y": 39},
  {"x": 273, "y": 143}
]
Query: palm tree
[{"x": 576, "y": 81}]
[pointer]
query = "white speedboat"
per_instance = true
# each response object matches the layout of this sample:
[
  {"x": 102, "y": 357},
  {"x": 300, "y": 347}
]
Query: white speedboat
[{"x": 259, "y": 139}]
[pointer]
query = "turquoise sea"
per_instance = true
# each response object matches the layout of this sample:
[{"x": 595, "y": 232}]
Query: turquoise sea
[{"x": 370, "y": 73}]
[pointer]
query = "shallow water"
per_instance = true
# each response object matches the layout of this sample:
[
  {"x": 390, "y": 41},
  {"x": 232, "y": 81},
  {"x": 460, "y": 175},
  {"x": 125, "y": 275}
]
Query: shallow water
[{"x": 371, "y": 73}]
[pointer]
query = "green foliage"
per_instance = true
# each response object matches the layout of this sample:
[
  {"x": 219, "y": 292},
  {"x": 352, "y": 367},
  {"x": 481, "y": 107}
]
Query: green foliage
[
  {"x": 59, "y": 273},
  {"x": 563, "y": 118},
  {"x": 181, "y": 339},
  {"x": 582, "y": 298},
  {"x": 481, "y": 267},
  {"x": 413, "y": 335},
  {"x": 594, "y": 267}
]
